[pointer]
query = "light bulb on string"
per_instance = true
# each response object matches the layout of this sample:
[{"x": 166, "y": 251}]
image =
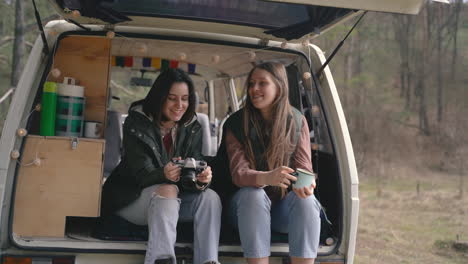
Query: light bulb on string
[
  {"x": 75, "y": 13},
  {"x": 142, "y": 48},
  {"x": 21, "y": 132},
  {"x": 215, "y": 59},
  {"x": 110, "y": 34},
  {"x": 182, "y": 56},
  {"x": 252, "y": 55},
  {"x": 14, "y": 154},
  {"x": 56, "y": 72},
  {"x": 306, "y": 75}
]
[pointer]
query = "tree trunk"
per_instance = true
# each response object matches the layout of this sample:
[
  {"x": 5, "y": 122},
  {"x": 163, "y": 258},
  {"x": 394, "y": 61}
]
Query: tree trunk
[
  {"x": 423, "y": 116},
  {"x": 402, "y": 26},
  {"x": 19, "y": 47},
  {"x": 440, "y": 90},
  {"x": 457, "y": 12}
]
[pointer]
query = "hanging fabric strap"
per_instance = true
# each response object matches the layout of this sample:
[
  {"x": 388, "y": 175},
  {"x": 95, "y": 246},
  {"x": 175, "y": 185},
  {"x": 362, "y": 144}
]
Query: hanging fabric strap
[
  {"x": 338, "y": 47},
  {"x": 41, "y": 29}
]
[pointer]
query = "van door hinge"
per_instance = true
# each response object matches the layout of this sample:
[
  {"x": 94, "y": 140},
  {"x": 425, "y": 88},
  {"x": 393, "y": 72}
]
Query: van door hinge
[{"x": 74, "y": 143}]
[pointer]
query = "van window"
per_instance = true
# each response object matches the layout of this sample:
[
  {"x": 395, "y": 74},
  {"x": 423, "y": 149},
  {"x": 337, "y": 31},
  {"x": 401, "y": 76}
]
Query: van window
[
  {"x": 314, "y": 112},
  {"x": 239, "y": 12}
]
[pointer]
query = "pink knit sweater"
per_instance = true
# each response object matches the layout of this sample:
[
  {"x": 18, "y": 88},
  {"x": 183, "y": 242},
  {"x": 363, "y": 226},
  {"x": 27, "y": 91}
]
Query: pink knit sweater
[{"x": 242, "y": 173}]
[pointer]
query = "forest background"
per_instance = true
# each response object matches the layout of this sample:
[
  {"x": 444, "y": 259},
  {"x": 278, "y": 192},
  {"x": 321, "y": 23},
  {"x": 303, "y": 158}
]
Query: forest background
[{"x": 403, "y": 86}]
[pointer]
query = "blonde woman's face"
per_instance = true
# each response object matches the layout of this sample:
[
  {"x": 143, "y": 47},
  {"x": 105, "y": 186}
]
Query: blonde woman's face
[
  {"x": 177, "y": 102},
  {"x": 262, "y": 90}
]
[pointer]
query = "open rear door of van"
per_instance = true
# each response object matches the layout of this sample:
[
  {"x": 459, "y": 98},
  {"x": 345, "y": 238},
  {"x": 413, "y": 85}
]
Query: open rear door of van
[{"x": 282, "y": 20}]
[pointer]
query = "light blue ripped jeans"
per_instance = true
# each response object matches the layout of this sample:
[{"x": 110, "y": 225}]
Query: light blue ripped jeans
[
  {"x": 162, "y": 214},
  {"x": 252, "y": 213}
]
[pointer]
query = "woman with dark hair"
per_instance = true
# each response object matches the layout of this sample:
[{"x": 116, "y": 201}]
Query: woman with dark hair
[
  {"x": 266, "y": 141},
  {"x": 145, "y": 188}
]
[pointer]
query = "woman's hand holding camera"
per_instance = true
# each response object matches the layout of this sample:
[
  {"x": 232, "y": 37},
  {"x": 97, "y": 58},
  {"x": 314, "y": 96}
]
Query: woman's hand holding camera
[
  {"x": 205, "y": 176},
  {"x": 172, "y": 172}
]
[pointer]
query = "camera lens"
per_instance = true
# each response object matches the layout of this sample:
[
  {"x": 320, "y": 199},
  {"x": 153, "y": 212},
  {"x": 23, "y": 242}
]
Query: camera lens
[{"x": 188, "y": 179}]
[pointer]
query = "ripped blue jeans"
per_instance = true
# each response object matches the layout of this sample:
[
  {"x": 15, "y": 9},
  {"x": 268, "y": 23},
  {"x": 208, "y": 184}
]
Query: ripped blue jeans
[
  {"x": 252, "y": 212},
  {"x": 162, "y": 214}
]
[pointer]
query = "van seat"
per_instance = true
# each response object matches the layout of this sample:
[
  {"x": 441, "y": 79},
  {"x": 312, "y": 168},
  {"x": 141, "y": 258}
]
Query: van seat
[
  {"x": 207, "y": 148},
  {"x": 113, "y": 136}
]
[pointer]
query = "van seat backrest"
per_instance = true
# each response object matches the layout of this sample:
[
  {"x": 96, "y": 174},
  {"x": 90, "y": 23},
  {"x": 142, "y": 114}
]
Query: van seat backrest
[
  {"x": 113, "y": 136},
  {"x": 207, "y": 148}
]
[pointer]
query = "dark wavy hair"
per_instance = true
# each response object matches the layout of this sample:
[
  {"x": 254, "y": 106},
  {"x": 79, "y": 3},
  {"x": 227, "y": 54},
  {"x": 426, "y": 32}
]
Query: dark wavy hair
[{"x": 154, "y": 100}]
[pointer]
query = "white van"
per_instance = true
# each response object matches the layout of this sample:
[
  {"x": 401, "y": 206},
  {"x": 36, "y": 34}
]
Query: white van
[{"x": 50, "y": 185}]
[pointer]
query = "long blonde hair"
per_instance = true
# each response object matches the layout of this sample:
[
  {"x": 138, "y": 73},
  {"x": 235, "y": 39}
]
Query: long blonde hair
[{"x": 278, "y": 144}]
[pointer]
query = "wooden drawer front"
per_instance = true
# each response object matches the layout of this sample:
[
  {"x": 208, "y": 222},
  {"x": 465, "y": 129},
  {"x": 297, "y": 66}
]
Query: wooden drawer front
[{"x": 66, "y": 183}]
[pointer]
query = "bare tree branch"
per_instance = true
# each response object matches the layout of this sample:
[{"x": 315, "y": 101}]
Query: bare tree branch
[
  {"x": 28, "y": 28},
  {"x": 5, "y": 40},
  {"x": 33, "y": 26}
]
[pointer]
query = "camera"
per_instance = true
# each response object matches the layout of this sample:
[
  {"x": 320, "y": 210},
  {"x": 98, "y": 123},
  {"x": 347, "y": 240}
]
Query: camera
[{"x": 188, "y": 176}]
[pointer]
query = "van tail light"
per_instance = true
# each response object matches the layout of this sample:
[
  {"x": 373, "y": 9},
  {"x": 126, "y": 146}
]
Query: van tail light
[
  {"x": 37, "y": 260},
  {"x": 16, "y": 260}
]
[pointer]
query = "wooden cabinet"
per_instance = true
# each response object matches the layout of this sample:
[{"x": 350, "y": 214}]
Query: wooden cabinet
[
  {"x": 64, "y": 181},
  {"x": 86, "y": 59}
]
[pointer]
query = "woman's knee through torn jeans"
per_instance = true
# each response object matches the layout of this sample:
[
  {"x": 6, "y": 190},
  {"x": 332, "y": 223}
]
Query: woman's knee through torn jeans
[
  {"x": 251, "y": 211},
  {"x": 161, "y": 214}
]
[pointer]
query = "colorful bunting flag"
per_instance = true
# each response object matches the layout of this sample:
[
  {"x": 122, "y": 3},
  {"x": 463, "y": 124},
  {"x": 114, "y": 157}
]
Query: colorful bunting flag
[
  {"x": 164, "y": 64},
  {"x": 191, "y": 68},
  {"x": 156, "y": 63},
  {"x": 128, "y": 61},
  {"x": 174, "y": 64},
  {"x": 146, "y": 62},
  {"x": 119, "y": 61}
]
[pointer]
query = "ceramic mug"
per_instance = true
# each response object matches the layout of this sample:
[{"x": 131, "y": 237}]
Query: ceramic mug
[
  {"x": 304, "y": 178},
  {"x": 93, "y": 129}
]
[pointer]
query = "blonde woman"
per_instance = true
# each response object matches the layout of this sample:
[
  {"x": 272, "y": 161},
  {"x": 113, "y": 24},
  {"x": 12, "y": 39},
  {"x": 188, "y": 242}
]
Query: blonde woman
[{"x": 266, "y": 141}]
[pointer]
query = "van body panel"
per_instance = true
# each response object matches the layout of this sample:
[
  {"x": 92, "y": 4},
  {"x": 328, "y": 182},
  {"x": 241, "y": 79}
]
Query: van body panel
[
  {"x": 390, "y": 6},
  {"x": 345, "y": 157},
  {"x": 16, "y": 118}
]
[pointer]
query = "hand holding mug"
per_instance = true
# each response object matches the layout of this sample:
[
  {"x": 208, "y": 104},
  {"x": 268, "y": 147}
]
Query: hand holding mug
[
  {"x": 305, "y": 184},
  {"x": 280, "y": 177}
]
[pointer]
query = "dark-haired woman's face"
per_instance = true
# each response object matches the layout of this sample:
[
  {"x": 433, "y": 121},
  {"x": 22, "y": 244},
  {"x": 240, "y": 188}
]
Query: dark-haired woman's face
[{"x": 177, "y": 102}]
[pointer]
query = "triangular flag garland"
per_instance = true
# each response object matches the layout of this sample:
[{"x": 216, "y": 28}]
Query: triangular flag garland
[{"x": 155, "y": 63}]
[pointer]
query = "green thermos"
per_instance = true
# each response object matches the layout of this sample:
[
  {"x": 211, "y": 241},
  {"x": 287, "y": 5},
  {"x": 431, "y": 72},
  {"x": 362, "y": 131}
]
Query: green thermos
[{"x": 48, "y": 108}]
